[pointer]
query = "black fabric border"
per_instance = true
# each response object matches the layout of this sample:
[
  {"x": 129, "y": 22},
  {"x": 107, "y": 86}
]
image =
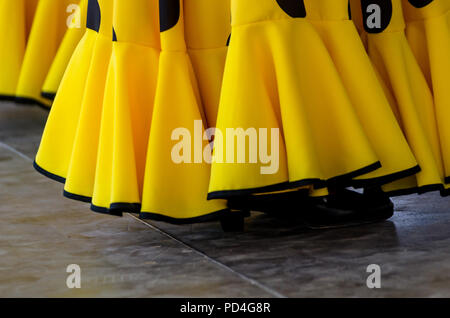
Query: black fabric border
[
  {"x": 48, "y": 174},
  {"x": 48, "y": 95},
  {"x": 342, "y": 180},
  {"x": 121, "y": 207},
  {"x": 77, "y": 197},
  {"x": 417, "y": 190},
  {"x": 347, "y": 179},
  {"x": 430, "y": 188},
  {"x": 24, "y": 101},
  {"x": 210, "y": 217},
  {"x": 364, "y": 183},
  {"x": 106, "y": 211},
  {"x": 31, "y": 102},
  {"x": 271, "y": 188},
  {"x": 117, "y": 209},
  {"x": 8, "y": 98}
]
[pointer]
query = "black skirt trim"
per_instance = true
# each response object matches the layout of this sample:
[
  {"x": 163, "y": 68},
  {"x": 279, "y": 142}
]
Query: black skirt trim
[
  {"x": 215, "y": 216},
  {"x": 114, "y": 208},
  {"x": 447, "y": 180},
  {"x": 364, "y": 183},
  {"x": 347, "y": 179},
  {"x": 125, "y": 207},
  {"x": 62, "y": 180},
  {"x": 106, "y": 211},
  {"x": 31, "y": 102},
  {"x": 77, "y": 197},
  {"x": 48, "y": 174},
  {"x": 266, "y": 189},
  {"x": 417, "y": 190},
  {"x": 344, "y": 180},
  {"x": 117, "y": 209},
  {"x": 430, "y": 188},
  {"x": 8, "y": 98},
  {"x": 48, "y": 95}
]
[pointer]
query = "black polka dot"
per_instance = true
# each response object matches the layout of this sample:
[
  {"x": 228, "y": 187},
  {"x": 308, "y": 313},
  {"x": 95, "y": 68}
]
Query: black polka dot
[
  {"x": 349, "y": 10},
  {"x": 420, "y": 3},
  {"x": 169, "y": 14},
  {"x": 294, "y": 8},
  {"x": 114, "y": 35},
  {"x": 93, "y": 15}
]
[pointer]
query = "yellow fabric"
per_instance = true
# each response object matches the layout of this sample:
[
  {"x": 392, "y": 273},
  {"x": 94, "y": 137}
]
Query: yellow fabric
[
  {"x": 128, "y": 104},
  {"x": 180, "y": 190},
  {"x": 428, "y": 33},
  {"x": 280, "y": 75},
  {"x": 15, "y": 22},
  {"x": 69, "y": 144},
  {"x": 83, "y": 162},
  {"x": 69, "y": 43},
  {"x": 331, "y": 20},
  {"x": 398, "y": 68},
  {"x": 48, "y": 28},
  {"x": 30, "y": 11},
  {"x": 207, "y": 29}
]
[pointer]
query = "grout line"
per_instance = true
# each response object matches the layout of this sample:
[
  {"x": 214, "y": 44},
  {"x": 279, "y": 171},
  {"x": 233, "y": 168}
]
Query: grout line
[
  {"x": 15, "y": 151},
  {"x": 269, "y": 290}
]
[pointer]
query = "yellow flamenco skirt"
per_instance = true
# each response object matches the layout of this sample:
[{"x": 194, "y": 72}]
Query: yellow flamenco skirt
[
  {"x": 127, "y": 108},
  {"x": 411, "y": 98},
  {"x": 48, "y": 29},
  {"x": 68, "y": 150},
  {"x": 176, "y": 176},
  {"x": 16, "y": 18},
  {"x": 428, "y": 33},
  {"x": 330, "y": 19},
  {"x": 283, "y": 97},
  {"x": 74, "y": 33}
]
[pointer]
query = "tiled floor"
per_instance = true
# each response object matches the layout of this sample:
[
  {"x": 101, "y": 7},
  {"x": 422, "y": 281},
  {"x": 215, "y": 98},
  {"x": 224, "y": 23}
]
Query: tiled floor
[{"x": 41, "y": 233}]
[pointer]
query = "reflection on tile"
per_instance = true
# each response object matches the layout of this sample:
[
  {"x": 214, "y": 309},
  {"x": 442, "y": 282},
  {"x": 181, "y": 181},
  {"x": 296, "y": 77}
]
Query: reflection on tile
[{"x": 413, "y": 250}]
